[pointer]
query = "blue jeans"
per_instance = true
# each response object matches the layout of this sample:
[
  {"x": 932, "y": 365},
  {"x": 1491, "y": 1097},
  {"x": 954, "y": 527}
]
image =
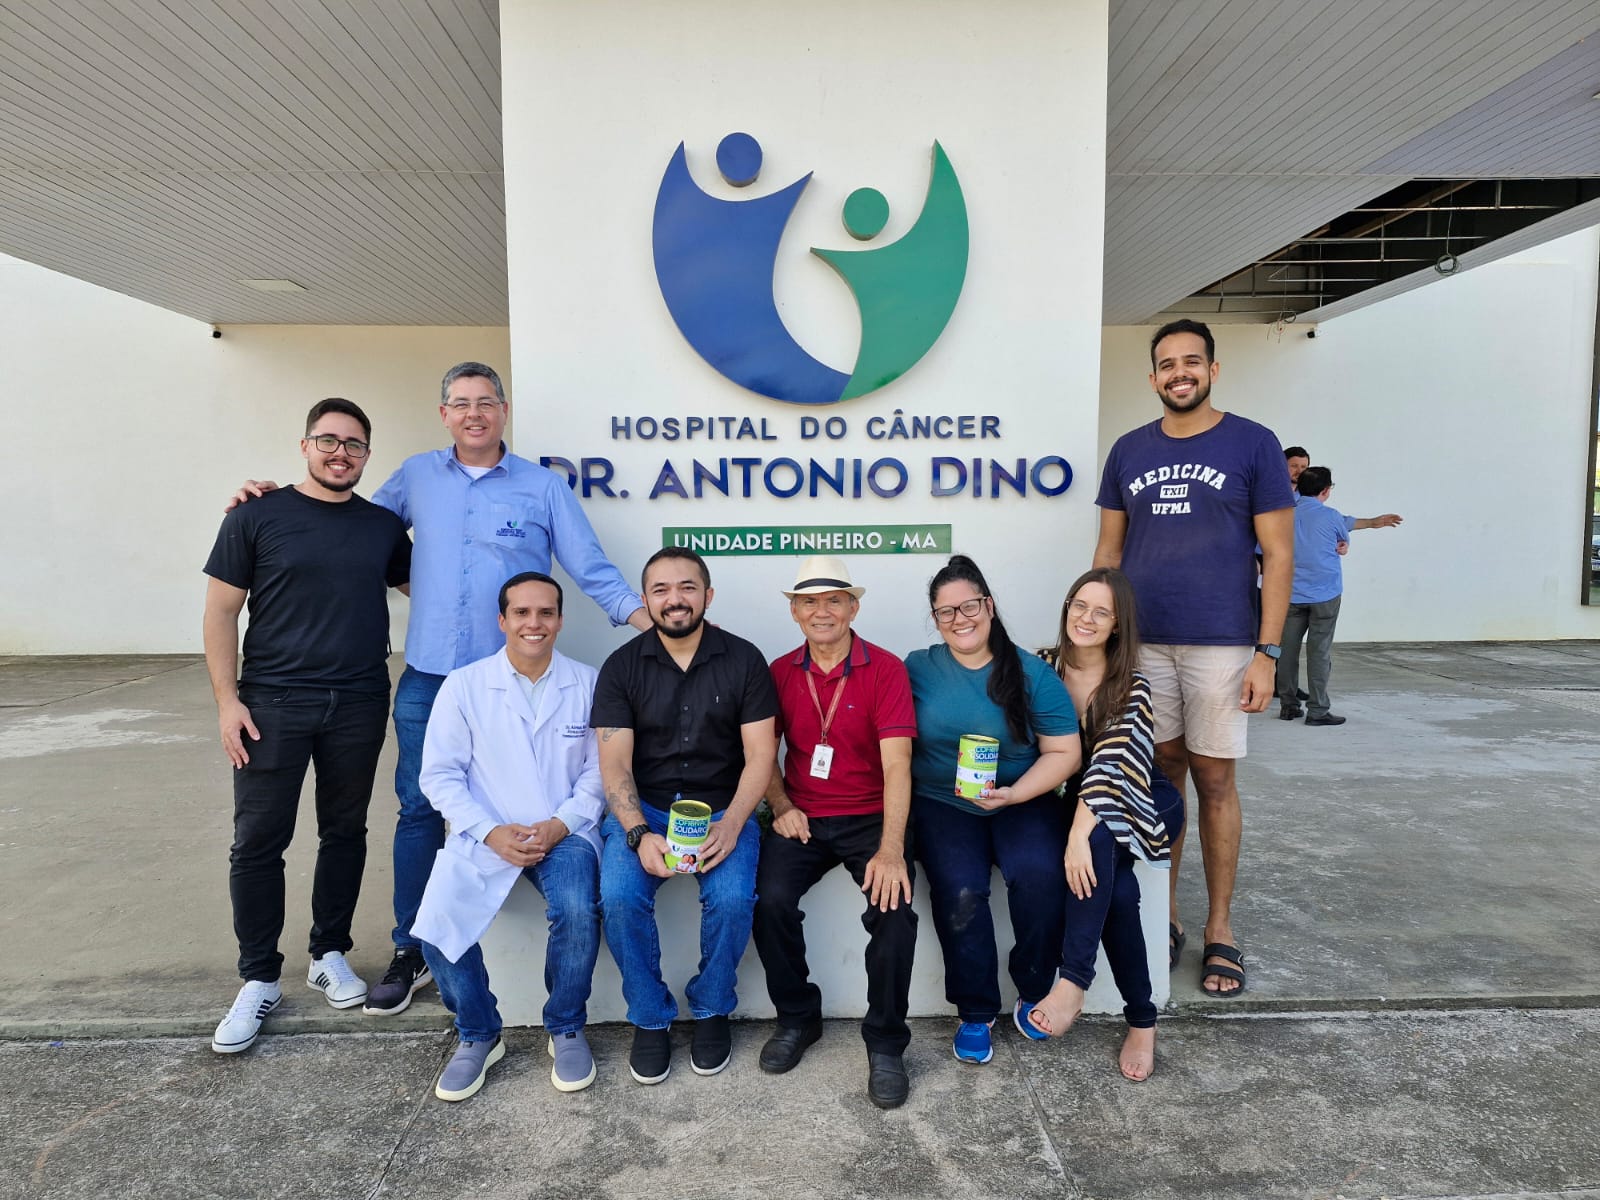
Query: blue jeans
[
  {"x": 419, "y": 831},
  {"x": 727, "y": 906},
  {"x": 341, "y": 733},
  {"x": 958, "y": 849},
  {"x": 569, "y": 881}
]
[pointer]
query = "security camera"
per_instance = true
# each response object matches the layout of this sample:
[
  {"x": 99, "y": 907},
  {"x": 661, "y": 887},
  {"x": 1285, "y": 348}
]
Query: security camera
[{"x": 215, "y": 332}]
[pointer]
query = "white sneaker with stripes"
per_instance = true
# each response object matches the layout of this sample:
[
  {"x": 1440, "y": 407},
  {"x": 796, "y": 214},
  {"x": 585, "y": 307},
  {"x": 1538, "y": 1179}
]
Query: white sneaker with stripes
[
  {"x": 335, "y": 979},
  {"x": 237, "y": 1031}
]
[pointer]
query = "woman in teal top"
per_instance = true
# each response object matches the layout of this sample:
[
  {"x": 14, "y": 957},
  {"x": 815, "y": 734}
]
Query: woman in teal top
[{"x": 979, "y": 682}]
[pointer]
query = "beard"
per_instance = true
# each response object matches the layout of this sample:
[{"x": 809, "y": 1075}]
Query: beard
[
  {"x": 1202, "y": 391},
  {"x": 336, "y": 484},
  {"x": 674, "y": 631}
]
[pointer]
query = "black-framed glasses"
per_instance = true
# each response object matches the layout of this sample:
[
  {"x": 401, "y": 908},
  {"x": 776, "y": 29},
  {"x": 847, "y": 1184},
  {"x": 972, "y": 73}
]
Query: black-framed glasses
[
  {"x": 967, "y": 608},
  {"x": 327, "y": 443}
]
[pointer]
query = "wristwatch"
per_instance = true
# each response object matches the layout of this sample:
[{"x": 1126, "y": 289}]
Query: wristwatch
[
  {"x": 636, "y": 835},
  {"x": 1271, "y": 650}
]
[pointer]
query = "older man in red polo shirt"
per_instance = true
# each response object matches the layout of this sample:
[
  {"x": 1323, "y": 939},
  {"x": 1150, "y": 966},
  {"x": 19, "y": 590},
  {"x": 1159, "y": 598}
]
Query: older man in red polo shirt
[{"x": 840, "y": 795}]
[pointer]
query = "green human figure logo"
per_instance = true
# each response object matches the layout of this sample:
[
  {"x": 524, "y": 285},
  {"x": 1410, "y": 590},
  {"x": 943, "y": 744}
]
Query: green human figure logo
[{"x": 906, "y": 290}]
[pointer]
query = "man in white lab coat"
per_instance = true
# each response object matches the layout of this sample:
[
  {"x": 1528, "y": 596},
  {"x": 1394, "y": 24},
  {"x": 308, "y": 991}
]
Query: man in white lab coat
[{"x": 510, "y": 761}]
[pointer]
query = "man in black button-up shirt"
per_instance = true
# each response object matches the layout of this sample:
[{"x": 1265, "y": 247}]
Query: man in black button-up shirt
[{"x": 685, "y": 712}]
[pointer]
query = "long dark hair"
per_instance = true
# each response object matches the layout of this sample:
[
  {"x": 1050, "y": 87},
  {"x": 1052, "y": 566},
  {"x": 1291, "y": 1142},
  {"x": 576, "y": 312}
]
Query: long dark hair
[
  {"x": 1007, "y": 685},
  {"x": 1110, "y": 699}
]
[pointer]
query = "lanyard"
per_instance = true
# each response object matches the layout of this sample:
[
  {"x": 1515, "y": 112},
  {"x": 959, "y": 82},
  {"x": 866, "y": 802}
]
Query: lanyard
[{"x": 833, "y": 707}]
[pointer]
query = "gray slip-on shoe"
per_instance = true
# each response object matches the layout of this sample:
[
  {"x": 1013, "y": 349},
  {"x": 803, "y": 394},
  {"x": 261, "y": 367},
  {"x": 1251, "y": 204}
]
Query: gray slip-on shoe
[
  {"x": 574, "y": 1067},
  {"x": 463, "y": 1074}
]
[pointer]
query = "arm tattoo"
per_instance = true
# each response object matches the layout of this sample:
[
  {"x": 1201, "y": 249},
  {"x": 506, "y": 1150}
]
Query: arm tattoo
[{"x": 622, "y": 797}]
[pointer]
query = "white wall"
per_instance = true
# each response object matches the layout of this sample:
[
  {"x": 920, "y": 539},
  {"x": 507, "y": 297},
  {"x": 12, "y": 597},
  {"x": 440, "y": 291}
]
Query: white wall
[
  {"x": 131, "y": 425},
  {"x": 857, "y": 94},
  {"x": 1463, "y": 406}
]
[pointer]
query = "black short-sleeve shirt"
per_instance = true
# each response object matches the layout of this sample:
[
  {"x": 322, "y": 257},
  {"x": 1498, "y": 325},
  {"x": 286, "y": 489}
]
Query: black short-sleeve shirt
[
  {"x": 318, "y": 574},
  {"x": 686, "y": 737}
]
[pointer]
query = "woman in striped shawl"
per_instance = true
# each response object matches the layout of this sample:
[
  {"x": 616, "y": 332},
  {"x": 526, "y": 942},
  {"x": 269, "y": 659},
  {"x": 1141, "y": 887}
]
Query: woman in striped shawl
[{"x": 1116, "y": 816}]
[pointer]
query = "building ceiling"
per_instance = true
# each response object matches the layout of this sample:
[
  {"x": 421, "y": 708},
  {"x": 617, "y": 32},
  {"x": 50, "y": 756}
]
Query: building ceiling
[
  {"x": 1237, "y": 126},
  {"x": 169, "y": 149}
]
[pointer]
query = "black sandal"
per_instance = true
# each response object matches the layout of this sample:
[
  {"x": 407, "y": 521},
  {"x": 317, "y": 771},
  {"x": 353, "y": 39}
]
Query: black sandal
[
  {"x": 1207, "y": 970},
  {"x": 1175, "y": 940}
]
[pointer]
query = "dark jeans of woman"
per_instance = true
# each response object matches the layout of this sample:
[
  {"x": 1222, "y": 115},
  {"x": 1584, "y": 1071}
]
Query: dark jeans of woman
[
  {"x": 1110, "y": 915},
  {"x": 958, "y": 850}
]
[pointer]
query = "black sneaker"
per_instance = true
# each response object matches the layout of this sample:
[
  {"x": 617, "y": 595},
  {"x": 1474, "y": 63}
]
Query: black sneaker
[
  {"x": 650, "y": 1061},
  {"x": 407, "y": 972},
  {"x": 712, "y": 1046}
]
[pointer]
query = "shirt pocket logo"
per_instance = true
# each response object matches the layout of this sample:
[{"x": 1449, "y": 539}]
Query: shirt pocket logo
[{"x": 506, "y": 523}]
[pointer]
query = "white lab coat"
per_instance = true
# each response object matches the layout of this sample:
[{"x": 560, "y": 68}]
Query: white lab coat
[{"x": 488, "y": 757}]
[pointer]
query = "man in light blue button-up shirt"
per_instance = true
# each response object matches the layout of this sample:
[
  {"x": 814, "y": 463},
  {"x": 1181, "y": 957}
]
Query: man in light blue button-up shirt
[
  {"x": 1321, "y": 536},
  {"x": 478, "y": 515}
]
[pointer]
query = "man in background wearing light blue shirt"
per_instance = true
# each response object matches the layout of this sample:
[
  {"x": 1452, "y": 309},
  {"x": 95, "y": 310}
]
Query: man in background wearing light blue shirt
[
  {"x": 1319, "y": 532},
  {"x": 478, "y": 514}
]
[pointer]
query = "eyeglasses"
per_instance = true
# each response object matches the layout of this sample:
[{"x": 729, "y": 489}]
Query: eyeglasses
[
  {"x": 967, "y": 608},
  {"x": 462, "y": 407},
  {"x": 1098, "y": 616},
  {"x": 327, "y": 443}
]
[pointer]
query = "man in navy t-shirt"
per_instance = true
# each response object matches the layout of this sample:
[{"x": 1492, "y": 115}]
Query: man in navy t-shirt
[
  {"x": 1184, "y": 501},
  {"x": 314, "y": 562}
]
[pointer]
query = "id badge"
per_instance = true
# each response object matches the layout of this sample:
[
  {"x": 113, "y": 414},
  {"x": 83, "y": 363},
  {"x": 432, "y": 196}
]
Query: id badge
[{"x": 821, "y": 761}]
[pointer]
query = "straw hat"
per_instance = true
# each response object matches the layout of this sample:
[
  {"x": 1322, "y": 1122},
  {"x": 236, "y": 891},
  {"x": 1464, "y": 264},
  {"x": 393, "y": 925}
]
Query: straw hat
[{"x": 823, "y": 573}]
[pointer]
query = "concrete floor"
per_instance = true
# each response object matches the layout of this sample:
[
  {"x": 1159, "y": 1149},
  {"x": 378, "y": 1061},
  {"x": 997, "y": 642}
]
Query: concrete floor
[{"x": 1417, "y": 902}]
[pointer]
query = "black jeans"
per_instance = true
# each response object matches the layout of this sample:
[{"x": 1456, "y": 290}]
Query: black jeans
[
  {"x": 1110, "y": 916},
  {"x": 342, "y": 733},
  {"x": 787, "y": 870}
]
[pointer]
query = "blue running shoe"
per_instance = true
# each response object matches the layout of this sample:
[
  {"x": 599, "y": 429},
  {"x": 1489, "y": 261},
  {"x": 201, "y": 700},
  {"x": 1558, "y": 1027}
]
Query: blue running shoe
[
  {"x": 972, "y": 1043},
  {"x": 1019, "y": 1017}
]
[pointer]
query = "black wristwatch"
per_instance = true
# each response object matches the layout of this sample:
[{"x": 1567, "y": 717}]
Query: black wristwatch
[
  {"x": 636, "y": 835},
  {"x": 1270, "y": 650}
]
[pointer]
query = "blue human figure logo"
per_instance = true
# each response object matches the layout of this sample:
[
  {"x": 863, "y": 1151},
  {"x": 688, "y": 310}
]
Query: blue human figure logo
[{"x": 715, "y": 260}]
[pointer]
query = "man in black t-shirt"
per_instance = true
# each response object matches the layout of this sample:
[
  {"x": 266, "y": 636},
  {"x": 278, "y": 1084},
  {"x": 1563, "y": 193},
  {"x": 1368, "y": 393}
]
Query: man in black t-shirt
[
  {"x": 685, "y": 712},
  {"x": 314, "y": 563}
]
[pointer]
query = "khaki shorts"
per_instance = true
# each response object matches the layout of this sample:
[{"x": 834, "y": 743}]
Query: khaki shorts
[{"x": 1195, "y": 693}]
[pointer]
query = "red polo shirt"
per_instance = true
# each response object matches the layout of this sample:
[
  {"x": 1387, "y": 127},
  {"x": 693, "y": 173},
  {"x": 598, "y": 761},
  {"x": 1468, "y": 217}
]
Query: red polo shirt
[{"x": 876, "y": 704}]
